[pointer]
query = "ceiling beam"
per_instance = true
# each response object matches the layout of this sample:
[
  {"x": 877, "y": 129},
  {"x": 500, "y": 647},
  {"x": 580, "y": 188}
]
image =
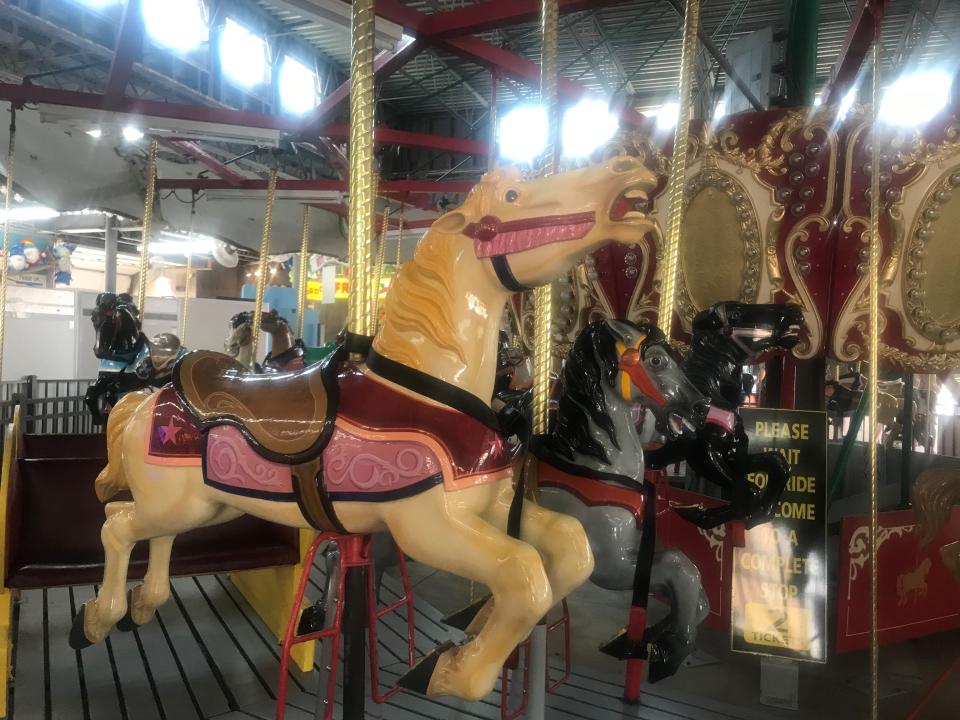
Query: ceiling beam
[
  {"x": 494, "y": 14},
  {"x": 389, "y": 136},
  {"x": 129, "y": 42},
  {"x": 386, "y": 186},
  {"x": 863, "y": 31},
  {"x": 193, "y": 151}
]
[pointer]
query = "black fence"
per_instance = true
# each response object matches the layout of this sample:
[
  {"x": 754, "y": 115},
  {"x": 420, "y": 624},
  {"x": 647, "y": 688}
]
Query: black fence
[{"x": 47, "y": 406}]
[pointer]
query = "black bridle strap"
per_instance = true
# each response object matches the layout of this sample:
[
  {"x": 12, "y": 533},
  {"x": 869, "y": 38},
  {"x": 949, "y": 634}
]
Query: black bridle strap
[
  {"x": 433, "y": 388},
  {"x": 506, "y": 277}
]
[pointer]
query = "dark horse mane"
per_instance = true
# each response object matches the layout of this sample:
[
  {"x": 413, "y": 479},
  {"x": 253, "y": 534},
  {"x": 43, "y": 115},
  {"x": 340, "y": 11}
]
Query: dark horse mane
[
  {"x": 590, "y": 368},
  {"x": 120, "y": 315}
]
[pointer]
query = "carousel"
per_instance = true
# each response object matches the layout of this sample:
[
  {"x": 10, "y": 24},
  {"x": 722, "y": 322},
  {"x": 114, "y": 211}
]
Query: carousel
[{"x": 655, "y": 420}]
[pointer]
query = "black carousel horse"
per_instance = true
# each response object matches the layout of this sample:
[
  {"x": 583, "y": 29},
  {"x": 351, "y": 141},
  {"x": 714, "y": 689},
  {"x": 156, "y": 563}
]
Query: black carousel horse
[
  {"x": 725, "y": 337},
  {"x": 129, "y": 360}
]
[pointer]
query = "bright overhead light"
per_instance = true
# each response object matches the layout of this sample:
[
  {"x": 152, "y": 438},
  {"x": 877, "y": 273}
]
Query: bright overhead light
[
  {"x": 848, "y": 100},
  {"x": 96, "y": 133},
  {"x": 818, "y": 100},
  {"x": 667, "y": 116},
  {"x": 132, "y": 134},
  {"x": 28, "y": 214},
  {"x": 176, "y": 24},
  {"x": 587, "y": 126},
  {"x": 298, "y": 87},
  {"x": 243, "y": 55},
  {"x": 915, "y": 98},
  {"x": 720, "y": 111},
  {"x": 523, "y": 133}
]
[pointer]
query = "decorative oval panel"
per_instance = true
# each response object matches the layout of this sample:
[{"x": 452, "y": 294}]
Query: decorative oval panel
[
  {"x": 720, "y": 256},
  {"x": 931, "y": 287}
]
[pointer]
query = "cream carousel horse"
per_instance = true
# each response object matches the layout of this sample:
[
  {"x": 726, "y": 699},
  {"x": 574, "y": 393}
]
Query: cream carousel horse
[
  {"x": 405, "y": 441},
  {"x": 285, "y": 354}
]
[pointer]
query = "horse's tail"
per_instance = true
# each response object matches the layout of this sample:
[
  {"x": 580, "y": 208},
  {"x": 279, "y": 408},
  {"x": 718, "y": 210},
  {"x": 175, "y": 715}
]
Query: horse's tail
[
  {"x": 112, "y": 479},
  {"x": 935, "y": 493}
]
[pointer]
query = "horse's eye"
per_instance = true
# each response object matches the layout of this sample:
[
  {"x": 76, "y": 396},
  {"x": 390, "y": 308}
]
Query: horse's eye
[
  {"x": 630, "y": 358},
  {"x": 656, "y": 361},
  {"x": 511, "y": 196}
]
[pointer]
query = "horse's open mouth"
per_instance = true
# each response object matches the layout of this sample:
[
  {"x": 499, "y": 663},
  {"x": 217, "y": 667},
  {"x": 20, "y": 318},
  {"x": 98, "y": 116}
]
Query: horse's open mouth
[
  {"x": 678, "y": 424},
  {"x": 632, "y": 205}
]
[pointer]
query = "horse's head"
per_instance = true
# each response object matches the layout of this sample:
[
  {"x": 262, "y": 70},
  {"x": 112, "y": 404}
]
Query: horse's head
[
  {"x": 751, "y": 329},
  {"x": 116, "y": 323},
  {"x": 644, "y": 368},
  {"x": 239, "y": 333},
  {"x": 536, "y": 229}
]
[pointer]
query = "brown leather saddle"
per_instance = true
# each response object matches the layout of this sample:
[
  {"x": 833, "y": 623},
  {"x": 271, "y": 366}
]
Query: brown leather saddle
[{"x": 287, "y": 417}]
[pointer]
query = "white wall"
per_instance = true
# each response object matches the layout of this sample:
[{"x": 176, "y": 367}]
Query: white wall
[{"x": 40, "y": 331}]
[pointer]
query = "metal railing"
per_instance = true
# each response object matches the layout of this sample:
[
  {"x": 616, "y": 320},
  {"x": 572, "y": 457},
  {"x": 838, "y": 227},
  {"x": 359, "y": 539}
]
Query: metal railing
[{"x": 47, "y": 405}]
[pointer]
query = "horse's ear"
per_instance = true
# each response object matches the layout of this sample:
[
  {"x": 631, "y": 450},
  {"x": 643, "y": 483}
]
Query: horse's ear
[
  {"x": 452, "y": 223},
  {"x": 621, "y": 330}
]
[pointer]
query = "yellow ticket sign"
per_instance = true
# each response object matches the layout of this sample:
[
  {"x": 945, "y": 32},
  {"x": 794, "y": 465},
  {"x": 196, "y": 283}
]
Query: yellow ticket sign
[
  {"x": 779, "y": 603},
  {"x": 314, "y": 291}
]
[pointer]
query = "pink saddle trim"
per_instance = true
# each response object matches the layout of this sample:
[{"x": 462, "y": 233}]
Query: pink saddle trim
[{"x": 232, "y": 465}]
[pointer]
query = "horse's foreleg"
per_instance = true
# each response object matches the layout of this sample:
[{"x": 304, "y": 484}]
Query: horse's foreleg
[
  {"x": 118, "y": 535},
  {"x": 155, "y": 590},
  {"x": 466, "y": 545}
]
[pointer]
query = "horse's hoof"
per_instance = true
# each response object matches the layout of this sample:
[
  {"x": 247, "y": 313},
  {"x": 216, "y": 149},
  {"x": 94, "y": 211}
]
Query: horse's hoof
[
  {"x": 461, "y": 619},
  {"x": 78, "y": 638},
  {"x": 667, "y": 655},
  {"x": 312, "y": 619},
  {"x": 417, "y": 679},
  {"x": 126, "y": 623},
  {"x": 623, "y": 648}
]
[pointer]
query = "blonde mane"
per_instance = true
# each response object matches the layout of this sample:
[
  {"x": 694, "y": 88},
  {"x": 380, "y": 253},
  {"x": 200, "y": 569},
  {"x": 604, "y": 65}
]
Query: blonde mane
[{"x": 420, "y": 301}]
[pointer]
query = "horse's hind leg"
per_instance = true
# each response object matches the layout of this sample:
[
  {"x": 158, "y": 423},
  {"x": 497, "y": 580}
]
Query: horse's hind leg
[{"x": 461, "y": 543}]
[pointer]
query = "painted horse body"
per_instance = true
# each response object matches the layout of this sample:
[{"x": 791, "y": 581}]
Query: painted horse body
[
  {"x": 592, "y": 467},
  {"x": 129, "y": 360},
  {"x": 437, "y": 343},
  {"x": 725, "y": 337}
]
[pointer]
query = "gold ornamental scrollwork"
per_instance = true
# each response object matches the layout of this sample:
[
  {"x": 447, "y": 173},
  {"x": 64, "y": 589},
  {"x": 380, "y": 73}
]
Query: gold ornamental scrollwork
[{"x": 749, "y": 232}]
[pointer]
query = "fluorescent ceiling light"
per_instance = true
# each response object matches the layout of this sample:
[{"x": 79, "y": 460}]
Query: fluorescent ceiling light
[
  {"x": 30, "y": 213},
  {"x": 586, "y": 126},
  {"x": 180, "y": 25},
  {"x": 132, "y": 134},
  {"x": 243, "y": 55},
  {"x": 523, "y": 133},
  {"x": 298, "y": 87},
  {"x": 96, "y": 133},
  {"x": 107, "y": 122},
  {"x": 667, "y": 116},
  {"x": 915, "y": 98},
  {"x": 721, "y": 110},
  {"x": 317, "y": 196}
]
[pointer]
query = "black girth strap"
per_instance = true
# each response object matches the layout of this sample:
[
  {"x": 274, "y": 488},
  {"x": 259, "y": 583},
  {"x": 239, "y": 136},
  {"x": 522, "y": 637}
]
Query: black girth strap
[
  {"x": 431, "y": 387},
  {"x": 502, "y": 268}
]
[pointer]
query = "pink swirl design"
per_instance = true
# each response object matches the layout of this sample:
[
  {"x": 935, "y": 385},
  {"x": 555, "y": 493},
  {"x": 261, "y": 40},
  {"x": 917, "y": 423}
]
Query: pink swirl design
[
  {"x": 231, "y": 461},
  {"x": 353, "y": 464}
]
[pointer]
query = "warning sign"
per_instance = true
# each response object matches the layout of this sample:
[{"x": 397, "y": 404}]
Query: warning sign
[{"x": 779, "y": 604}]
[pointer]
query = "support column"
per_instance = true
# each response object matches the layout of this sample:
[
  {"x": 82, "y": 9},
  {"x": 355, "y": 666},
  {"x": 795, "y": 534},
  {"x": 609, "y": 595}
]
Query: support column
[
  {"x": 803, "y": 18},
  {"x": 111, "y": 237}
]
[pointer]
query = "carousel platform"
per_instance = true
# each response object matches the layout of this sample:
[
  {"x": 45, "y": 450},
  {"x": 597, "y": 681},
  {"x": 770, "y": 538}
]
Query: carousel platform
[{"x": 208, "y": 655}]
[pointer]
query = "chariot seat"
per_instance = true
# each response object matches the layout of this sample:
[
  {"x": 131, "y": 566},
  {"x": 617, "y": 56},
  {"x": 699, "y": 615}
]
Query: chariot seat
[{"x": 287, "y": 416}]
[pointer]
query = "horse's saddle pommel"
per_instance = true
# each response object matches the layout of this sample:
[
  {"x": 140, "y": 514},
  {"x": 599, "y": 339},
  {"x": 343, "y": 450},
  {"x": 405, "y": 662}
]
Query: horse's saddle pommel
[{"x": 287, "y": 417}]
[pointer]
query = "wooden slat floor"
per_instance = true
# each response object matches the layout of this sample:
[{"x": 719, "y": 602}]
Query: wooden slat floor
[{"x": 207, "y": 655}]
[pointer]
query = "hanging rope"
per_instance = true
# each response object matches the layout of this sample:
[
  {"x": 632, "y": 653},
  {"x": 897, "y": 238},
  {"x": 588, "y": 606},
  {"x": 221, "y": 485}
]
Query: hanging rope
[
  {"x": 379, "y": 274},
  {"x": 874, "y": 376},
  {"x": 5, "y": 251},
  {"x": 262, "y": 265},
  {"x": 304, "y": 263},
  {"x": 186, "y": 285},
  {"x": 678, "y": 169},
  {"x": 147, "y": 226},
  {"x": 543, "y": 296},
  {"x": 361, "y": 188}
]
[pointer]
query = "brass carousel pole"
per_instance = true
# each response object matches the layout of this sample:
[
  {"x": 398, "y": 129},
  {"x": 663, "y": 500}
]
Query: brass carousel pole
[
  {"x": 8, "y": 199},
  {"x": 678, "y": 170},
  {"x": 147, "y": 226},
  {"x": 874, "y": 376},
  {"x": 302, "y": 275},
  {"x": 360, "y": 217},
  {"x": 262, "y": 264}
]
